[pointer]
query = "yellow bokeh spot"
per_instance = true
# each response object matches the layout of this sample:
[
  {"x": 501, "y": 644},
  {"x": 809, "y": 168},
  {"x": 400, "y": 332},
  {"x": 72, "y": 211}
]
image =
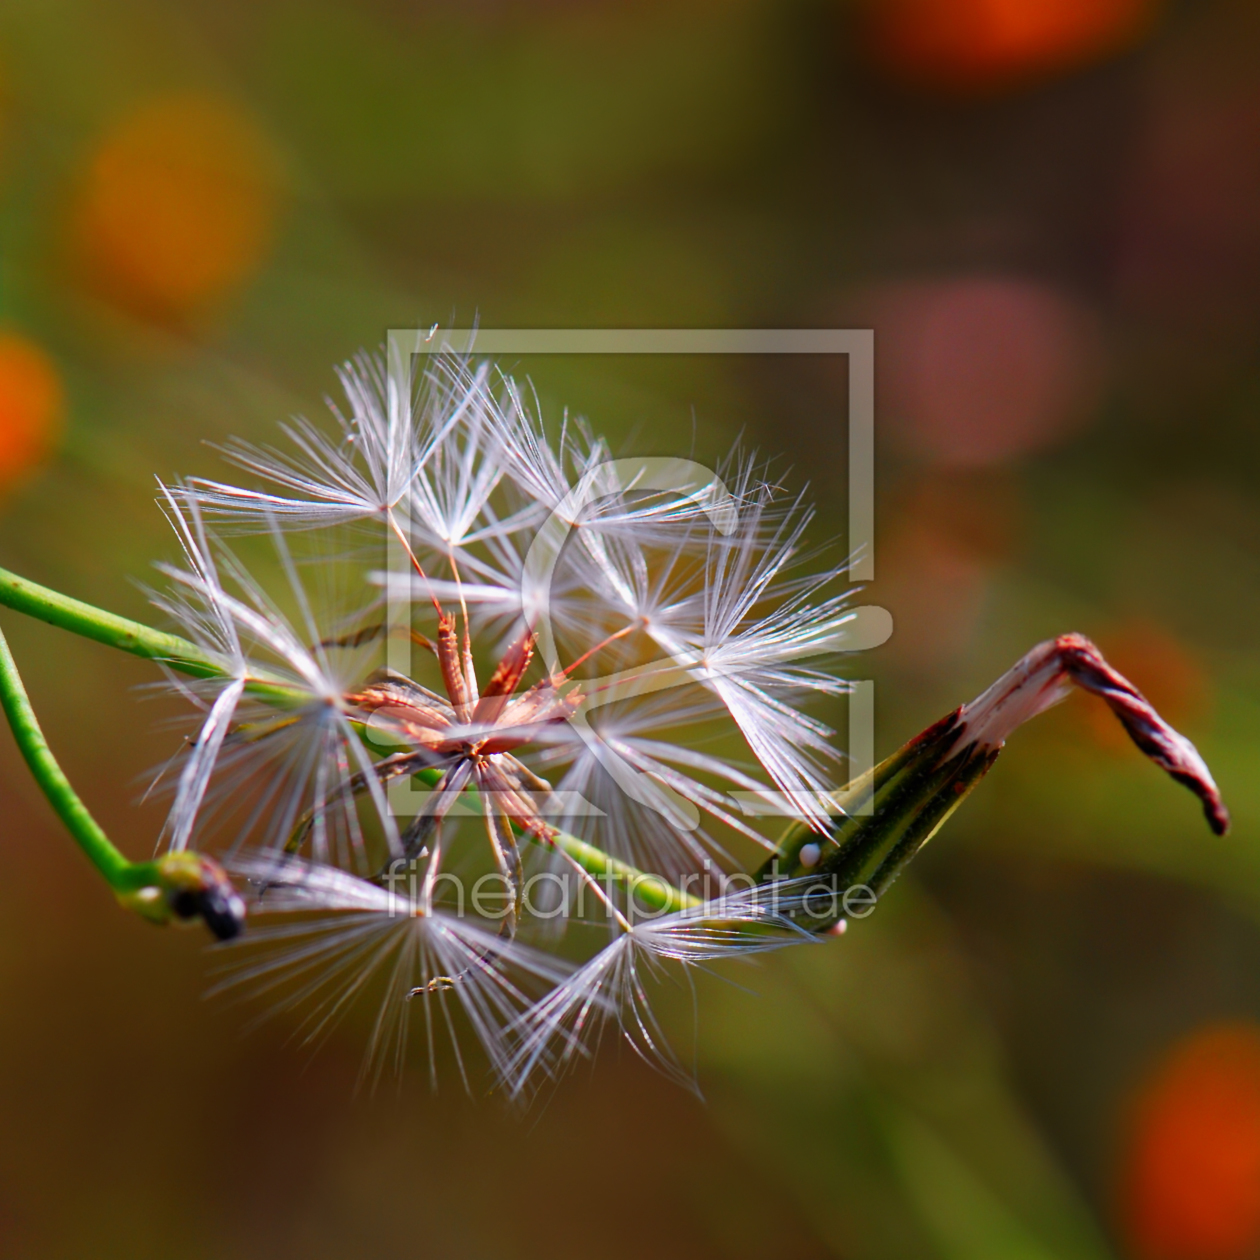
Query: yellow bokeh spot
[
  {"x": 177, "y": 208},
  {"x": 31, "y": 407}
]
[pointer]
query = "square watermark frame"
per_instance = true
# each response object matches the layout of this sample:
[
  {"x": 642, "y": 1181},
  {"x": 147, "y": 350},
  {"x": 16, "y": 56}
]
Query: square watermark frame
[{"x": 404, "y": 345}]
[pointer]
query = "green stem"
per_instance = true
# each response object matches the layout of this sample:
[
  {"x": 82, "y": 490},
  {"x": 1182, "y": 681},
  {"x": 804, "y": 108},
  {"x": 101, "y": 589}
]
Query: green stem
[
  {"x": 93, "y": 623},
  {"x": 912, "y": 793},
  {"x": 885, "y": 817},
  {"x": 650, "y": 892},
  {"x": 186, "y": 657},
  {"x": 178, "y": 653},
  {"x": 121, "y": 875}
]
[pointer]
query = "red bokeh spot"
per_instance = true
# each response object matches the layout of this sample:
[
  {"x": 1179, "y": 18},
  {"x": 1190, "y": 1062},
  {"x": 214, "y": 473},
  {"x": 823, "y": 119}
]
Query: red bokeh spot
[
  {"x": 1191, "y": 1173},
  {"x": 977, "y": 46},
  {"x": 30, "y": 407},
  {"x": 177, "y": 208},
  {"x": 979, "y": 370}
]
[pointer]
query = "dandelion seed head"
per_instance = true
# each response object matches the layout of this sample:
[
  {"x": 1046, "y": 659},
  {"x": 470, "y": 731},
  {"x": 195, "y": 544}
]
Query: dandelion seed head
[{"x": 549, "y": 649}]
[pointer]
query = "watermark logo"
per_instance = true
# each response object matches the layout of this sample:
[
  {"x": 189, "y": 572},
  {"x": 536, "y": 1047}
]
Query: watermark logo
[
  {"x": 686, "y": 481},
  {"x": 549, "y": 894}
]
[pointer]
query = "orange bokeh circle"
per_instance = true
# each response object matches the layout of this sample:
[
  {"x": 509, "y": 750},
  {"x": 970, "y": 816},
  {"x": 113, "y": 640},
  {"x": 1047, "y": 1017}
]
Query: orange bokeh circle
[
  {"x": 177, "y": 208},
  {"x": 1191, "y": 1174},
  {"x": 31, "y": 407},
  {"x": 970, "y": 46}
]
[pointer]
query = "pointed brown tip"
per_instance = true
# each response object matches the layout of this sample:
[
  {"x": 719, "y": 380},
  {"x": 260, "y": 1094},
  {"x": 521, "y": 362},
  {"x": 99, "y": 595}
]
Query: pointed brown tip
[
  {"x": 1041, "y": 679},
  {"x": 1166, "y": 747}
]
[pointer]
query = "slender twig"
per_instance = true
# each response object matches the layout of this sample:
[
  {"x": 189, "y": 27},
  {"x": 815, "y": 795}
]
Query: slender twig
[
  {"x": 94, "y": 623},
  {"x": 121, "y": 874},
  {"x": 176, "y": 886},
  {"x": 650, "y": 891},
  {"x": 178, "y": 653},
  {"x": 187, "y": 658},
  {"x": 910, "y": 794}
]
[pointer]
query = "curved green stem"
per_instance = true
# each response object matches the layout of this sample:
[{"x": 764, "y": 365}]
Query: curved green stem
[
  {"x": 121, "y": 874},
  {"x": 649, "y": 891},
  {"x": 910, "y": 794},
  {"x": 187, "y": 658},
  {"x": 178, "y": 653},
  {"x": 93, "y": 623}
]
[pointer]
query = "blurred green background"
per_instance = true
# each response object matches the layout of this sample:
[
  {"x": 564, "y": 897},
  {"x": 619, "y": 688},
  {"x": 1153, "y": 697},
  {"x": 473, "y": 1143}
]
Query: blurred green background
[{"x": 1044, "y": 1044}]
